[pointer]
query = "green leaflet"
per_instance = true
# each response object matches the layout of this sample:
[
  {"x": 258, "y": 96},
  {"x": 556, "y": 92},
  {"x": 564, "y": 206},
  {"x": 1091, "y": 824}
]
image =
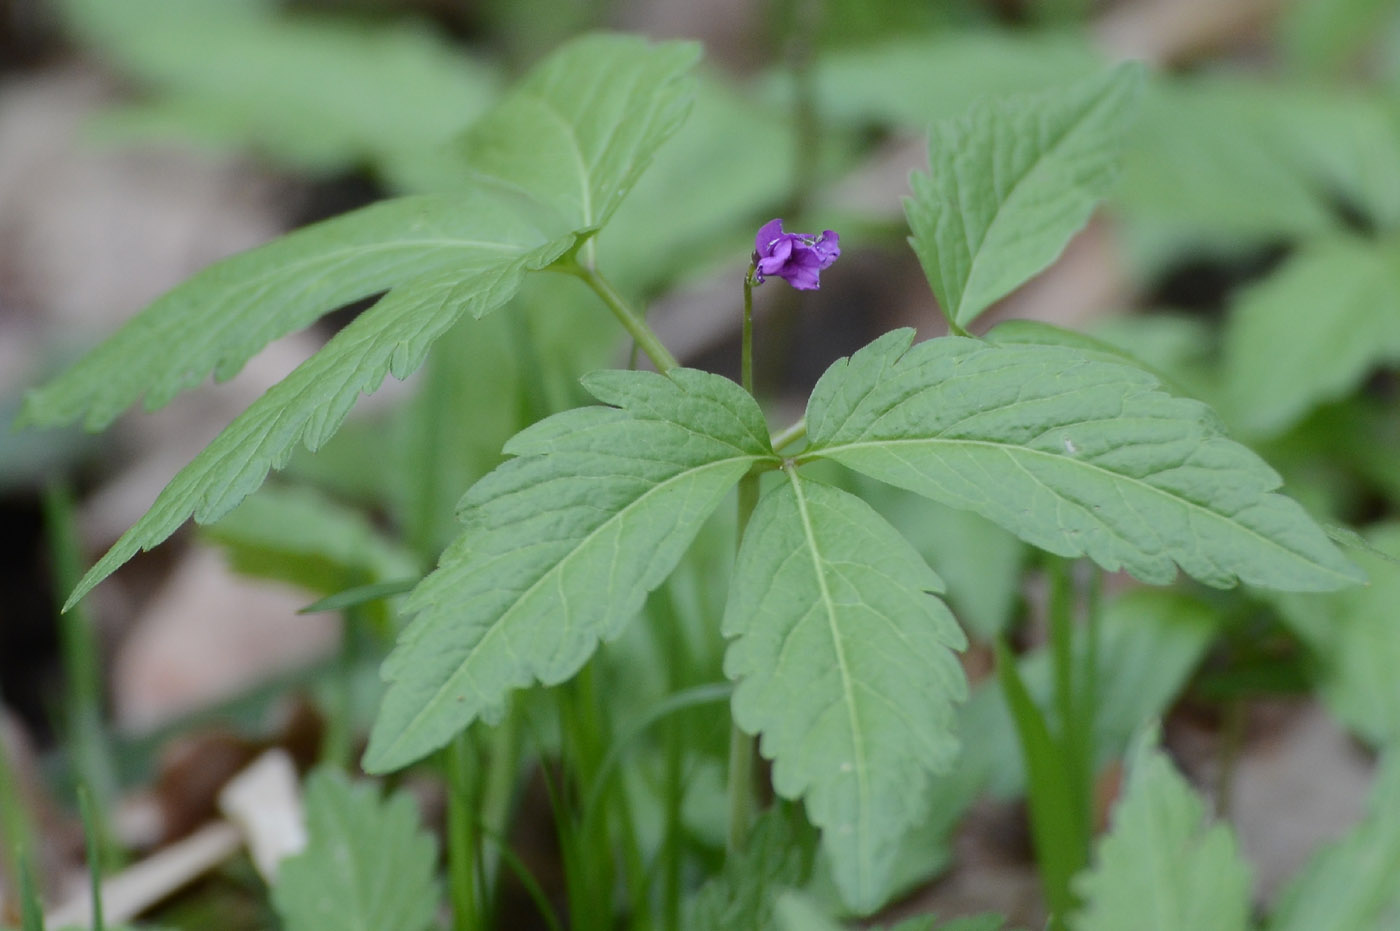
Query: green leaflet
[
  {"x": 742, "y": 895},
  {"x": 837, "y": 642},
  {"x": 1161, "y": 867},
  {"x": 1011, "y": 182},
  {"x": 579, "y": 130},
  {"x": 1311, "y": 331},
  {"x": 1350, "y": 885},
  {"x": 560, "y": 547},
  {"x": 582, "y": 127},
  {"x": 1074, "y": 454},
  {"x": 368, "y": 864}
]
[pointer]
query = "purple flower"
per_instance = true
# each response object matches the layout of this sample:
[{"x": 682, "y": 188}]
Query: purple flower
[{"x": 797, "y": 258}]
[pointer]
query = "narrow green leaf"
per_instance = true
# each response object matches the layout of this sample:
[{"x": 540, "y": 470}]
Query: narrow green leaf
[
  {"x": 1061, "y": 844},
  {"x": 1356, "y": 640},
  {"x": 368, "y": 864},
  {"x": 561, "y": 546},
  {"x": 1311, "y": 332},
  {"x": 217, "y": 320},
  {"x": 359, "y": 595},
  {"x": 1011, "y": 182},
  {"x": 1073, "y": 453},
  {"x": 837, "y": 640},
  {"x": 1162, "y": 867},
  {"x": 1350, "y": 884}
]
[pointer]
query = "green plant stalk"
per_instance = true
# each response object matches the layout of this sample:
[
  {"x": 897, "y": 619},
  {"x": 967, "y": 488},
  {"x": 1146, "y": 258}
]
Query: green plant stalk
[
  {"x": 789, "y": 435},
  {"x": 1056, "y": 830},
  {"x": 83, "y": 712},
  {"x": 463, "y": 845},
  {"x": 1075, "y": 742},
  {"x": 740, "y": 788},
  {"x": 498, "y": 793},
  {"x": 632, "y": 322},
  {"x": 92, "y": 829},
  {"x": 31, "y": 909},
  {"x": 588, "y": 857}
]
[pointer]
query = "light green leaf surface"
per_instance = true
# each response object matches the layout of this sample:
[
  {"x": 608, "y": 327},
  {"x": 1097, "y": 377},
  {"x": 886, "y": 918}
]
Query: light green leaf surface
[
  {"x": 1311, "y": 331},
  {"x": 1355, "y": 636},
  {"x": 299, "y": 535},
  {"x": 1072, "y": 453},
  {"x": 1011, "y": 182},
  {"x": 980, "y": 561},
  {"x": 561, "y": 546},
  {"x": 581, "y": 129},
  {"x": 1162, "y": 866},
  {"x": 368, "y": 864},
  {"x": 846, "y": 669},
  {"x": 1350, "y": 885}
]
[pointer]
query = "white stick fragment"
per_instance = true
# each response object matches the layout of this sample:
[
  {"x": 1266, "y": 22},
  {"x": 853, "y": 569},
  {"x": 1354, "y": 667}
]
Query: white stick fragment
[
  {"x": 265, "y": 802},
  {"x": 127, "y": 894},
  {"x": 263, "y": 805}
]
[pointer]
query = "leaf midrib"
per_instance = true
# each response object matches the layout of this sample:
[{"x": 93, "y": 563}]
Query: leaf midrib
[
  {"x": 501, "y": 621},
  {"x": 1012, "y": 450},
  {"x": 847, "y": 686}
]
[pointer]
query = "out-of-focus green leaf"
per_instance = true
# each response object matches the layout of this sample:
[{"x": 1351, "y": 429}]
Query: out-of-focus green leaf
[
  {"x": 368, "y": 864},
  {"x": 742, "y": 896},
  {"x": 1350, "y": 884},
  {"x": 939, "y": 76},
  {"x": 317, "y": 92},
  {"x": 1011, "y": 181},
  {"x": 1320, "y": 36},
  {"x": 300, "y": 536},
  {"x": 1311, "y": 331},
  {"x": 1356, "y": 638},
  {"x": 1162, "y": 866}
]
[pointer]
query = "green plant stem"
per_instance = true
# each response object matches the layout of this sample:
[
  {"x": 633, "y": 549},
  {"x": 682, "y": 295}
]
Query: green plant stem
[
  {"x": 1058, "y": 833},
  {"x": 83, "y": 705},
  {"x": 1074, "y": 744},
  {"x": 789, "y": 435},
  {"x": 498, "y": 792},
  {"x": 631, "y": 321},
  {"x": 741, "y": 745},
  {"x": 93, "y": 830},
  {"x": 746, "y": 344},
  {"x": 462, "y": 842}
]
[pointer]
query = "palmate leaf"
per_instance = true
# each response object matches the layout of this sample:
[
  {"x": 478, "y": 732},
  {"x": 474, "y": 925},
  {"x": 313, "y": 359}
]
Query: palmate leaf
[
  {"x": 581, "y": 130},
  {"x": 368, "y": 864},
  {"x": 561, "y": 546},
  {"x": 1311, "y": 331},
  {"x": 1073, "y": 453},
  {"x": 1011, "y": 182},
  {"x": 1161, "y": 867},
  {"x": 846, "y": 668}
]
